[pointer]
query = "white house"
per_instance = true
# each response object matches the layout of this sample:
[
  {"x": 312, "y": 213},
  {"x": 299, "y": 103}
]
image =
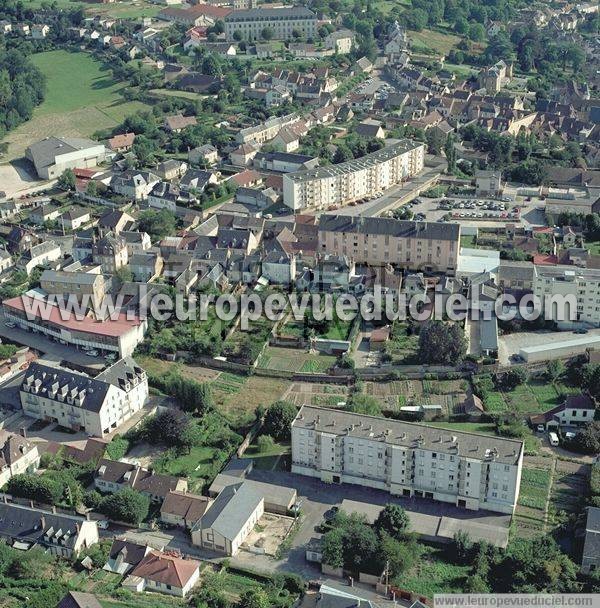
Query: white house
[{"x": 17, "y": 456}]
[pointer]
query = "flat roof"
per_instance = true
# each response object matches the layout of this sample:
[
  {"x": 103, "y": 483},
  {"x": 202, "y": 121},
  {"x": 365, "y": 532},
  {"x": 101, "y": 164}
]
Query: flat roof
[
  {"x": 356, "y": 164},
  {"x": 592, "y": 341},
  {"x": 409, "y": 435}
]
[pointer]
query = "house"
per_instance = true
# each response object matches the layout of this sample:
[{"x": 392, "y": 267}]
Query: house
[
  {"x": 488, "y": 183},
  {"x": 110, "y": 252},
  {"x": 115, "y": 221},
  {"x": 5, "y": 27},
  {"x": 183, "y": 509},
  {"x": 197, "y": 180},
  {"x": 121, "y": 142},
  {"x": 52, "y": 156},
  {"x": 247, "y": 179},
  {"x": 177, "y": 123},
  {"x": 370, "y": 130},
  {"x": 341, "y": 41},
  {"x": 44, "y": 213},
  {"x": 363, "y": 66},
  {"x": 39, "y": 31},
  {"x": 39, "y": 255},
  {"x": 171, "y": 169},
  {"x": 17, "y": 456},
  {"x": 576, "y": 410},
  {"x": 164, "y": 572},
  {"x": 112, "y": 476},
  {"x": 79, "y": 402},
  {"x": 6, "y": 260},
  {"x": 145, "y": 267},
  {"x": 590, "y": 561},
  {"x": 134, "y": 184},
  {"x": 206, "y": 155},
  {"x": 229, "y": 519},
  {"x": 136, "y": 242},
  {"x": 21, "y": 239},
  {"x": 63, "y": 535},
  {"x": 287, "y": 140},
  {"x": 241, "y": 157},
  {"x": 124, "y": 556},
  {"x": 74, "y": 218},
  {"x": 279, "y": 268},
  {"x": 78, "y": 599},
  {"x": 88, "y": 288},
  {"x": 379, "y": 338}
]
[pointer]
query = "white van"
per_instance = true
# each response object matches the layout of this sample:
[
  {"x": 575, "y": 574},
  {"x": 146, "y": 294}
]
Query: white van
[{"x": 553, "y": 437}]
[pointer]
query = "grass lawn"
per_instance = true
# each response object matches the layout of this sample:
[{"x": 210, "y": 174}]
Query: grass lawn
[
  {"x": 485, "y": 428},
  {"x": 290, "y": 360},
  {"x": 270, "y": 458},
  {"x": 434, "y": 41},
  {"x": 81, "y": 98},
  {"x": 434, "y": 574},
  {"x": 175, "y": 93},
  {"x": 593, "y": 246},
  {"x": 386, "y": 6}
]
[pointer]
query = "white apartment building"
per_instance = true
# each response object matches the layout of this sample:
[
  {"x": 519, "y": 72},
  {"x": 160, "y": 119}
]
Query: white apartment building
[
  {"x": 355, "y": 179},
  {"x": 465, "y": 469},
  {"x": 96, "y": 406},
  {"x": 281, "y": 21},
  {"x": 568, "y": 294}
]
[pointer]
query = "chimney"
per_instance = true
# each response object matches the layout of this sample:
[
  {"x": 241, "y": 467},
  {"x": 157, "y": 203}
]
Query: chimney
[
  {"x": 77, "y": 528},
  {"x": 43, "y": 523},
  {"x": 31, "y": 503}
]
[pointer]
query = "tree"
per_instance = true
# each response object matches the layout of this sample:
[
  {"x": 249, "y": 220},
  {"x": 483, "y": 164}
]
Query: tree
[
  {"x": 441, "y": 343},
  {"x": 67, "y": 180},
  {"x": 399, "y": 556},
  {"x": 450, "y": 152},
  {"x": 278, "y": 420},
  {"x": 555, "y": 370},
  {"x": 157, "y": 223},
  {"x": 513, "y": 377},
  {"x": 393, "y": 521},
  {"x": 92, "y": 188},
  {"x": 35, "y": 487},
  {"x": 267, "y": 33},
  {"x": 167, "y": 428},
  {"x": 127, "y": 505},
  {"x": 587, "y": 441},
  {"x": 254, "y": 598}
]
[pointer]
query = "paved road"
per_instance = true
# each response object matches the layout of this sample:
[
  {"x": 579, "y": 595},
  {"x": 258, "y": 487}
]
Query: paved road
[{"x": 52, "y": 351}]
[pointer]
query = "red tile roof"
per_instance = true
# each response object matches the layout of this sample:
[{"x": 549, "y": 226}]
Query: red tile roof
[
  {"x": 167, "y": 569},
  {"x": 545, "y": 260},
  {"x": 111, "y": 327}
]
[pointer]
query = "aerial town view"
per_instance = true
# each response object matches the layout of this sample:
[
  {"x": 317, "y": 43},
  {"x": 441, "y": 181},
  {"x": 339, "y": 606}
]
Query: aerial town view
[{"x": 299, "y": 303}]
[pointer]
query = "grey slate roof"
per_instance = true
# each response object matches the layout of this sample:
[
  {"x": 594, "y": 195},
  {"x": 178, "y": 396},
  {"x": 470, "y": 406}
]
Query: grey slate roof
[
  {"x": 407, "y": 434},
  {"x": 231, "y": 510},
  {"x": 591, "y": 547},
  {"x": 266, "y": 14},
  {"x": 44, "y": 152},
  {"x": 388, "y": 226}
]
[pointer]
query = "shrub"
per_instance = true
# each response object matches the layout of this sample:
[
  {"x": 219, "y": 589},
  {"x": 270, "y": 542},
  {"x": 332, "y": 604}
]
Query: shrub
[{"x": 265, "y": 443}]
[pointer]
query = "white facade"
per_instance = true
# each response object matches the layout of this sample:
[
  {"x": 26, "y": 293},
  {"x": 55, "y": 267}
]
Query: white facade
[
  {"x": 407, "y": 459},
  {"x": 282, "y": 22},
  {"x": 353, "y": 180},
  {"x": 568, "y": 294}
]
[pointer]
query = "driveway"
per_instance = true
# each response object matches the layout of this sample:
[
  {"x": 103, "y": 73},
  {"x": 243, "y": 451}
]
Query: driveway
[{"x": 18, "y": 178}]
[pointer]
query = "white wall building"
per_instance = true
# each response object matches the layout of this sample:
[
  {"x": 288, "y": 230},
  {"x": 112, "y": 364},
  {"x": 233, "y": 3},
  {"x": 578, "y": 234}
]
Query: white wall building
[
  {"x": 281, "y": 21},
  {"x": 466, "y": 469},
  {"x": 97, "y": 405},
  {"x": 355, "y": 179},
  {"x": 568, "y": 294}
]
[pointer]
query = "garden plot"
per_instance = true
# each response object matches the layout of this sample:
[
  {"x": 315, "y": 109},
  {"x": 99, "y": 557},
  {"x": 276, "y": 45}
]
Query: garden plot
[
  {"x": 570, "y": 486},
  {"x": 322, "y": 395},
  {"x": 290, "y": 360},
  {"x": 268, "y": 534}
]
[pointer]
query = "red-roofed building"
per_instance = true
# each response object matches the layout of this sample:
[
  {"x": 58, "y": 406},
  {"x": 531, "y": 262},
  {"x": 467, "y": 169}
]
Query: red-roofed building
[
  {"x": 118, "y": 335},
  {"x": 164, "y": 573},
  {"x": 121, "y": 142},
  {"x": 543, "y": 259},
  {"x": 247, "y": 179}
]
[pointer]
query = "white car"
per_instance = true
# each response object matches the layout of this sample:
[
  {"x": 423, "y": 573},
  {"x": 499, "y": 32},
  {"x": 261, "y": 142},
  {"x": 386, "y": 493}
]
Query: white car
[
  {"x": 92, "y": 353},
  {"x": 9, "y": 324}
]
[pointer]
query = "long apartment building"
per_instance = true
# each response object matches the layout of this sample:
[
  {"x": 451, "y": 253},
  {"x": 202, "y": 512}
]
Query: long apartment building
[
  {"x": 265, "y": 131},
  {"x": 465, "y": 469},
  {"x": 76, "y": 401},
  {"x": 282, "y": 22},
  {"x": 568, "y": 294},
  {"x": 377, "y": 241},
  {"x": 355, "y": 179}
]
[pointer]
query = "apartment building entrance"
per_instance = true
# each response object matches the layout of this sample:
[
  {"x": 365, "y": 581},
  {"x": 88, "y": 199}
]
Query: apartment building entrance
[{"x": 462, "y": 503}]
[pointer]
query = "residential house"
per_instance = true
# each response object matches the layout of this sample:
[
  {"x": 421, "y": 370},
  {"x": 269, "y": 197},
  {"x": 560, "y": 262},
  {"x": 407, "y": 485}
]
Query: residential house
[
  {"x": 134, "y": 184},
  {"x": 124, "y": 556},
  {"x": 115, "y": 221},
  {"x": 145, "y": 267},
  {"x": 17, "y": 455},
  {"x": 44, "y": 213},
  {"x": 110, "y": 252},
  {"x": 575, "y": 411},
  {"x": 243, "y": 155},
  {"x": 183, "y": 509},
  {"x": 164, "y": 572},
  {"x": 59, "y": 534},
  {"x": 39, "y": 255},
  {"x": 121, "y": 142},
  {"x": 74, "y": 218},
  {"x": 112, "y": 476},
  {"x": 206, "y": 155},
  {"x": 171, "y": 169},
  {"x": 340, "y": 41},
  {"x": 590, "y": 561},
  {"x": 177, "y": 123}
]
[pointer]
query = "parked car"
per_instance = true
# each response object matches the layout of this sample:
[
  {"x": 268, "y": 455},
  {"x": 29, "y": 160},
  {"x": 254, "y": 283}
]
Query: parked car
[{"x": 92, "y": 353}]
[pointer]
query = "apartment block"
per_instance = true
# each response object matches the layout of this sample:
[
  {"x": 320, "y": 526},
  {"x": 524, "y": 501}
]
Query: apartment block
[
  {"x": 568, "y": 294},
  {"x": 76, "y": 401},
  {"x": 263, "y": 132},
  {"x": 377, "y": 241},
  {"x": 405, "y": 459},
  {"x": 282, "y": 22},
  {"x": 355, "y": 179}
]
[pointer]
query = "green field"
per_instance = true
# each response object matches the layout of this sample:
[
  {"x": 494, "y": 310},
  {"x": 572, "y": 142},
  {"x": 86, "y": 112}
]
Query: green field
[
  {"x": 431, "y": 40},
  {"x": 124, "y": 9},
  {"x": 81, "y": 98}
]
